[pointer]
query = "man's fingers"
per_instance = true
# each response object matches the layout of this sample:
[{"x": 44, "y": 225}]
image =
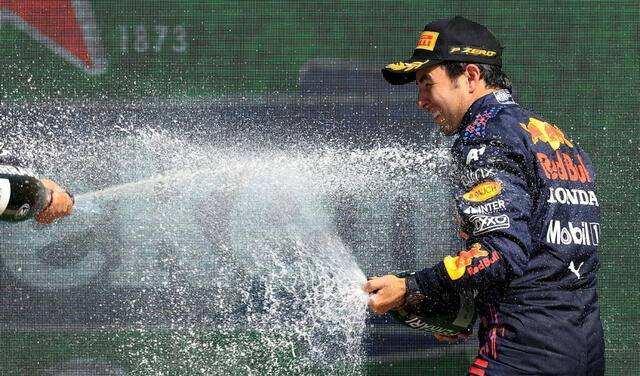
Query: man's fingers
[
  {"x": 379, "y": 305},
  {"x": 61, "y": 204},
  {"x": 372, "y": 285},
  {"x": 373, "y": 304},
  {"x": 387, "y": 292}
]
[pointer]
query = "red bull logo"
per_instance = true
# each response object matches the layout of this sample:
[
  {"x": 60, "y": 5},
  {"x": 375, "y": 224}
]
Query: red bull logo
[
  {"x": 427, "y": 40},
  {"x": 456, "y": 266},
  {"x": 545, "y": 132},
  {"x": 563, "y": 167}
]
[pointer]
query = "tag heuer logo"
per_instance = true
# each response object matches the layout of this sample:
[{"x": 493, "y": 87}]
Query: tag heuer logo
[{"x": 67, "y": 27}]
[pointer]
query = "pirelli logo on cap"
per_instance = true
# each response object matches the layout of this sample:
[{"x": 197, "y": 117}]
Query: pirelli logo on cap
[{"x": 427, "y": 40}]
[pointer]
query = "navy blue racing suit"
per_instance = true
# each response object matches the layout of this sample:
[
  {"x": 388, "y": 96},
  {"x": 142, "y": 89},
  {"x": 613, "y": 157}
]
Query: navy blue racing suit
[{"x": 525, "y": 196}]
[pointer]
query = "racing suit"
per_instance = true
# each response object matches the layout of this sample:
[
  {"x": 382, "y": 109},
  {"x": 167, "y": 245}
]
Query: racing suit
[{"x": 525, "y": 197}]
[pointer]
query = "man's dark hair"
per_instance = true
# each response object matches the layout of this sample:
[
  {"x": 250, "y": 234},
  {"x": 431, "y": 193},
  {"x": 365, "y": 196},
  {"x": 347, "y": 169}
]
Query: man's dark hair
[{"x": 491, "y": 74}]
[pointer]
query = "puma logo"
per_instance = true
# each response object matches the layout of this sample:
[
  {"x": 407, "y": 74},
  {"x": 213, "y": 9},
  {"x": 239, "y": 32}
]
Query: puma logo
[{"x": 573, "y": 269}]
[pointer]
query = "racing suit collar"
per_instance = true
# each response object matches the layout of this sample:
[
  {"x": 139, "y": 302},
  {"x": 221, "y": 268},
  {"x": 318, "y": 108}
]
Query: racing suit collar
[{"x": 496, "y": 98}]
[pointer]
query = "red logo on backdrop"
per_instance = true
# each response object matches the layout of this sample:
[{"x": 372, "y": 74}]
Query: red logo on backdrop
[{"x": 67, "y": 27}]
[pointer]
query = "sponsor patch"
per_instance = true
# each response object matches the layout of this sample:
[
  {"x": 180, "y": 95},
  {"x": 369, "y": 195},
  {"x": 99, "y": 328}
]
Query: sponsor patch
[
  {"x": 545, "y": 132},
  {"x": 483, "y": 191},
  {"x": 483, "y": 224},
  {"x": 503, "y": 97},
  {"x": 470, "y": 178},
  {"x": 474, "y": 154},
  {"x": 574, "y": 270},
  {"x": 458, "y": 265},
  {"x": 489, "y": 207},
  {"x": 566, "y": 196},
  {"x": 484, "y": 263},
  {"x": 563, "y": 167},
  {"x": 427, "y": 40},
  {"x": 584, "y": 233}
]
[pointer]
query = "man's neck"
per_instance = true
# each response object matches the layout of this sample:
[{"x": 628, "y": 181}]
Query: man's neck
[{"x": 481, "y": 93}]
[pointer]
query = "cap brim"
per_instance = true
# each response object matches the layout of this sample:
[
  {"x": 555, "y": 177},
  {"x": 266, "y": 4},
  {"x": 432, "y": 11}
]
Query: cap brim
[{"x": 404, "y": 72}]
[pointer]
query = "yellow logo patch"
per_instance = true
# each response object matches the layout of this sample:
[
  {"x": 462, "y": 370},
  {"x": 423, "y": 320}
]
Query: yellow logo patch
[
  {"x": 427, "y": 40},
  {"x": 545, "y": 132},
  {"x": 483, "y": 191},
  {"x": 406, "y": 67},
  {"x": 456, "y": 266}
]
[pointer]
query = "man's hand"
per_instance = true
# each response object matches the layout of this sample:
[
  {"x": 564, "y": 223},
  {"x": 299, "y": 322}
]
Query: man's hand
[
  {"x": 61, "y": 203},
  {"x": 387, "y": 293},
  {"x": 445, "y": 338}
]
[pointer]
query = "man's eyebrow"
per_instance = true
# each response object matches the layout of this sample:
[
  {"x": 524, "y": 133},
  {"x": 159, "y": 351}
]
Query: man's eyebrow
[{"x": 424, "y": 78}]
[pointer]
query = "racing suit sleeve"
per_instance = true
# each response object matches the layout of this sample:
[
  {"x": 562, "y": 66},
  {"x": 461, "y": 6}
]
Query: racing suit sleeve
[{"x": 492, "y": 187}]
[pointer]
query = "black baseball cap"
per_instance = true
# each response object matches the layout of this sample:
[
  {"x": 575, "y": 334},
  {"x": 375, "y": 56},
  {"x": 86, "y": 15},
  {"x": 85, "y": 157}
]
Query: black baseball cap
[{"x": 452, "y": 39}]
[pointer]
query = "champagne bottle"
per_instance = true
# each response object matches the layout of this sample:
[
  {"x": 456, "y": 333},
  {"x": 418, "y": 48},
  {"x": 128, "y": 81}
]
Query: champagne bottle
[
  {"x": 22, "y": 195},
  {"x": 448, "y": 314}
]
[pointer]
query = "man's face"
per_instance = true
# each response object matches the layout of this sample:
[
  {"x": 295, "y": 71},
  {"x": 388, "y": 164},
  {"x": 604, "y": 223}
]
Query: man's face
[{"x": 444, "y": 98}]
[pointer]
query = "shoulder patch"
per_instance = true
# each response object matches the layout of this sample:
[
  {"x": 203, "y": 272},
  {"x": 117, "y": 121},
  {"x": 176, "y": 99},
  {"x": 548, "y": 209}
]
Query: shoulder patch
[{"x": 479, "y": 124}]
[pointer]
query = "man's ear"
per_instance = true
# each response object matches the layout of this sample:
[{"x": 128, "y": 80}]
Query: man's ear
[{"x": 472, "y": 74}]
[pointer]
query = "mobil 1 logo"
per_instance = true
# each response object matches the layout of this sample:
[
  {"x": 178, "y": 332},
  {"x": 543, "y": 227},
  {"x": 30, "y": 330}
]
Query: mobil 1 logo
[{"x": 571, "y": 233}]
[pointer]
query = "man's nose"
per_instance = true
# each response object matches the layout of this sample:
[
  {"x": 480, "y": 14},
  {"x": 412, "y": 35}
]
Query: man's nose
[{"x": 422, "y": 102}]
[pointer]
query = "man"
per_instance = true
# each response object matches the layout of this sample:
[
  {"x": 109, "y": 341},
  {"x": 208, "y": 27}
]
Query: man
[
  {"x": 525, "y": 196},
  {"x": 60, "y": 203}
]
